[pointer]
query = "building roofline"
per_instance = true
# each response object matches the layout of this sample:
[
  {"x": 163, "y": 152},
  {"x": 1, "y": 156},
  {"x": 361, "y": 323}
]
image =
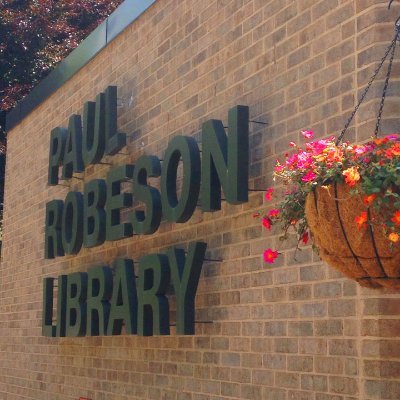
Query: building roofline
[{"x": 107, "y": 31}]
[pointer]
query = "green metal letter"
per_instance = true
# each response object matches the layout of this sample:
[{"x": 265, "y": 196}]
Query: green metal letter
[
  {"x": 56, "y": 154},
  {"x": 72, "y": 159},
  {"x": 115, "y": 140},
  {"x": 48, "y": 329},
  {"x": 225, "y": 161},
  {"x": 116, "y": 201},
  {"x": 153, "y": 307},
  {"x": 53, "y": 246},
  {"x": 146, "y": 223},
  {"x": 76, "y": 304},
  {"x": 61, "y": 305},
  {"x": 124, "y": 299},
  {"x": 174, "y": 209},
  {"x": 185, "y": 274},
  {"x": 94, "y": 218},
  {"x": 93, "y": 140},
  {"x": 100, "y": 282},
  {"x": 72, "y": 223}
]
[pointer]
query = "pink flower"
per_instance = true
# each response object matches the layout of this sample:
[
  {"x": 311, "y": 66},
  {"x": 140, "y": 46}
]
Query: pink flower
[
  {"x": 274, "y": 213},
  {"x": 268, "y": 194},
  {"x": 319, "y": 146},
  {"x": 266, "y": 223},
  {"x": 278, "y": 167},
  {"x": 304, "y": 160},
  {"x": 308, "y": 134},
  {"x": 309, "y": 177},
  {"x": 292, "y": 161},
  {"x": 270, "y": 256},
  {"x": 393, "y": 136}
]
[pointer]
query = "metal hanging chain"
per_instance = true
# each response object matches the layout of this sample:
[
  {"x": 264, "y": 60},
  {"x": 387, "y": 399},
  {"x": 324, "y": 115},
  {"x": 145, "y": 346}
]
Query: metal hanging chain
[
  {"x": 389, "y": 71},
  {"x": 390, "y": 48}
]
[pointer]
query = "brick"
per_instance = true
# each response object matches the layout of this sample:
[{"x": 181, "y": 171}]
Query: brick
[
  {"x": 230, "y": 359},
  {"x": 313, "y": 273},
  {"x": 274, "y": 393},
  {"x": 351, "y": 366},
  {"x": 251, "y": 392},
  {"x": 329, "y": 328},
  {"x": 382, "y": 389},
  {"x": 300, "y": 329},
  {"x": 300, "y": 292},
  {"x": 329, "y": 365},
  {"x": 274, "y": 361},
  {"x": 251, "y": 360},
  {"x": 343, "y": 347},
  {"x": 274, "y": 294},
  {"x": 328, "y": 289},
  {"x": 300, "y": 363},
  {"x": 285, "y": 345},
  {"x": 287, "y": 380},
  {"x": 342, "y": 385},
  {"x": 313, "y": 346},
  {"x": 317, "y": 383},
  {"x": 380, "y": 328},
  {"x": 341, "y": 308},
  {"x": 313, "y": 309},
  {"x": 381, "y": 369},
  {"x": 240, "y": 375},
  {"x": 275, "y": 328},
  {"x": 262, "y": 377}
]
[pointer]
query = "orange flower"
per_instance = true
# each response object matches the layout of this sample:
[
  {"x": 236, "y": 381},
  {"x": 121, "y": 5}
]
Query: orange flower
[
  {"x": 361, "y": 219},
  {"x": 368, "y": 200},
  {"x": 335, "y": 155},
  {"x": 380, "y": 141},
  {"x": 351, "y": 175},
  {"x": 395, "y": 150},
  {"x": 396, "y": 218},
  {"x": 394, "y": 237}
]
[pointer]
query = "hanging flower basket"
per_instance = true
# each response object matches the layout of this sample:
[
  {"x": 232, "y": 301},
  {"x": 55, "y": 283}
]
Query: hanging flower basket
[
  {"x": 347, "y": 198},
  {"x": 361, "y": 251}
]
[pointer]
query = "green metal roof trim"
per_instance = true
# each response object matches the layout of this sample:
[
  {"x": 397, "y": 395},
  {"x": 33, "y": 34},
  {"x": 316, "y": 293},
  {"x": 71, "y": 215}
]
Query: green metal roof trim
[{"x": 120, "y": 19}]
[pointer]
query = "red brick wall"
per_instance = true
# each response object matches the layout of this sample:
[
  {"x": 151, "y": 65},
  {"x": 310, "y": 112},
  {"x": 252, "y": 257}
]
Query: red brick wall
[{"x": 297, "y": 330}]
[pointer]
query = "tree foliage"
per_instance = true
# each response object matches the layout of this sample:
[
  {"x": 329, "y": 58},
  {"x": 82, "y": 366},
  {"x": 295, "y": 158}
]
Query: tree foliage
[{"x": 36, "y": 34}]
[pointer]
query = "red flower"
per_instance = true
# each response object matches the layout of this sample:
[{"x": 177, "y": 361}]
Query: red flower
[
  {"x": 305, "y": 237},
  {"x": 368, "y": 200},
  {"x": 268, "y": 194},
  {"x": 270, "y": 256},
  {"x": 396, "y": 218},
  {"x": 361, "y": 219},
  {"x": 266, "y": 223}
]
